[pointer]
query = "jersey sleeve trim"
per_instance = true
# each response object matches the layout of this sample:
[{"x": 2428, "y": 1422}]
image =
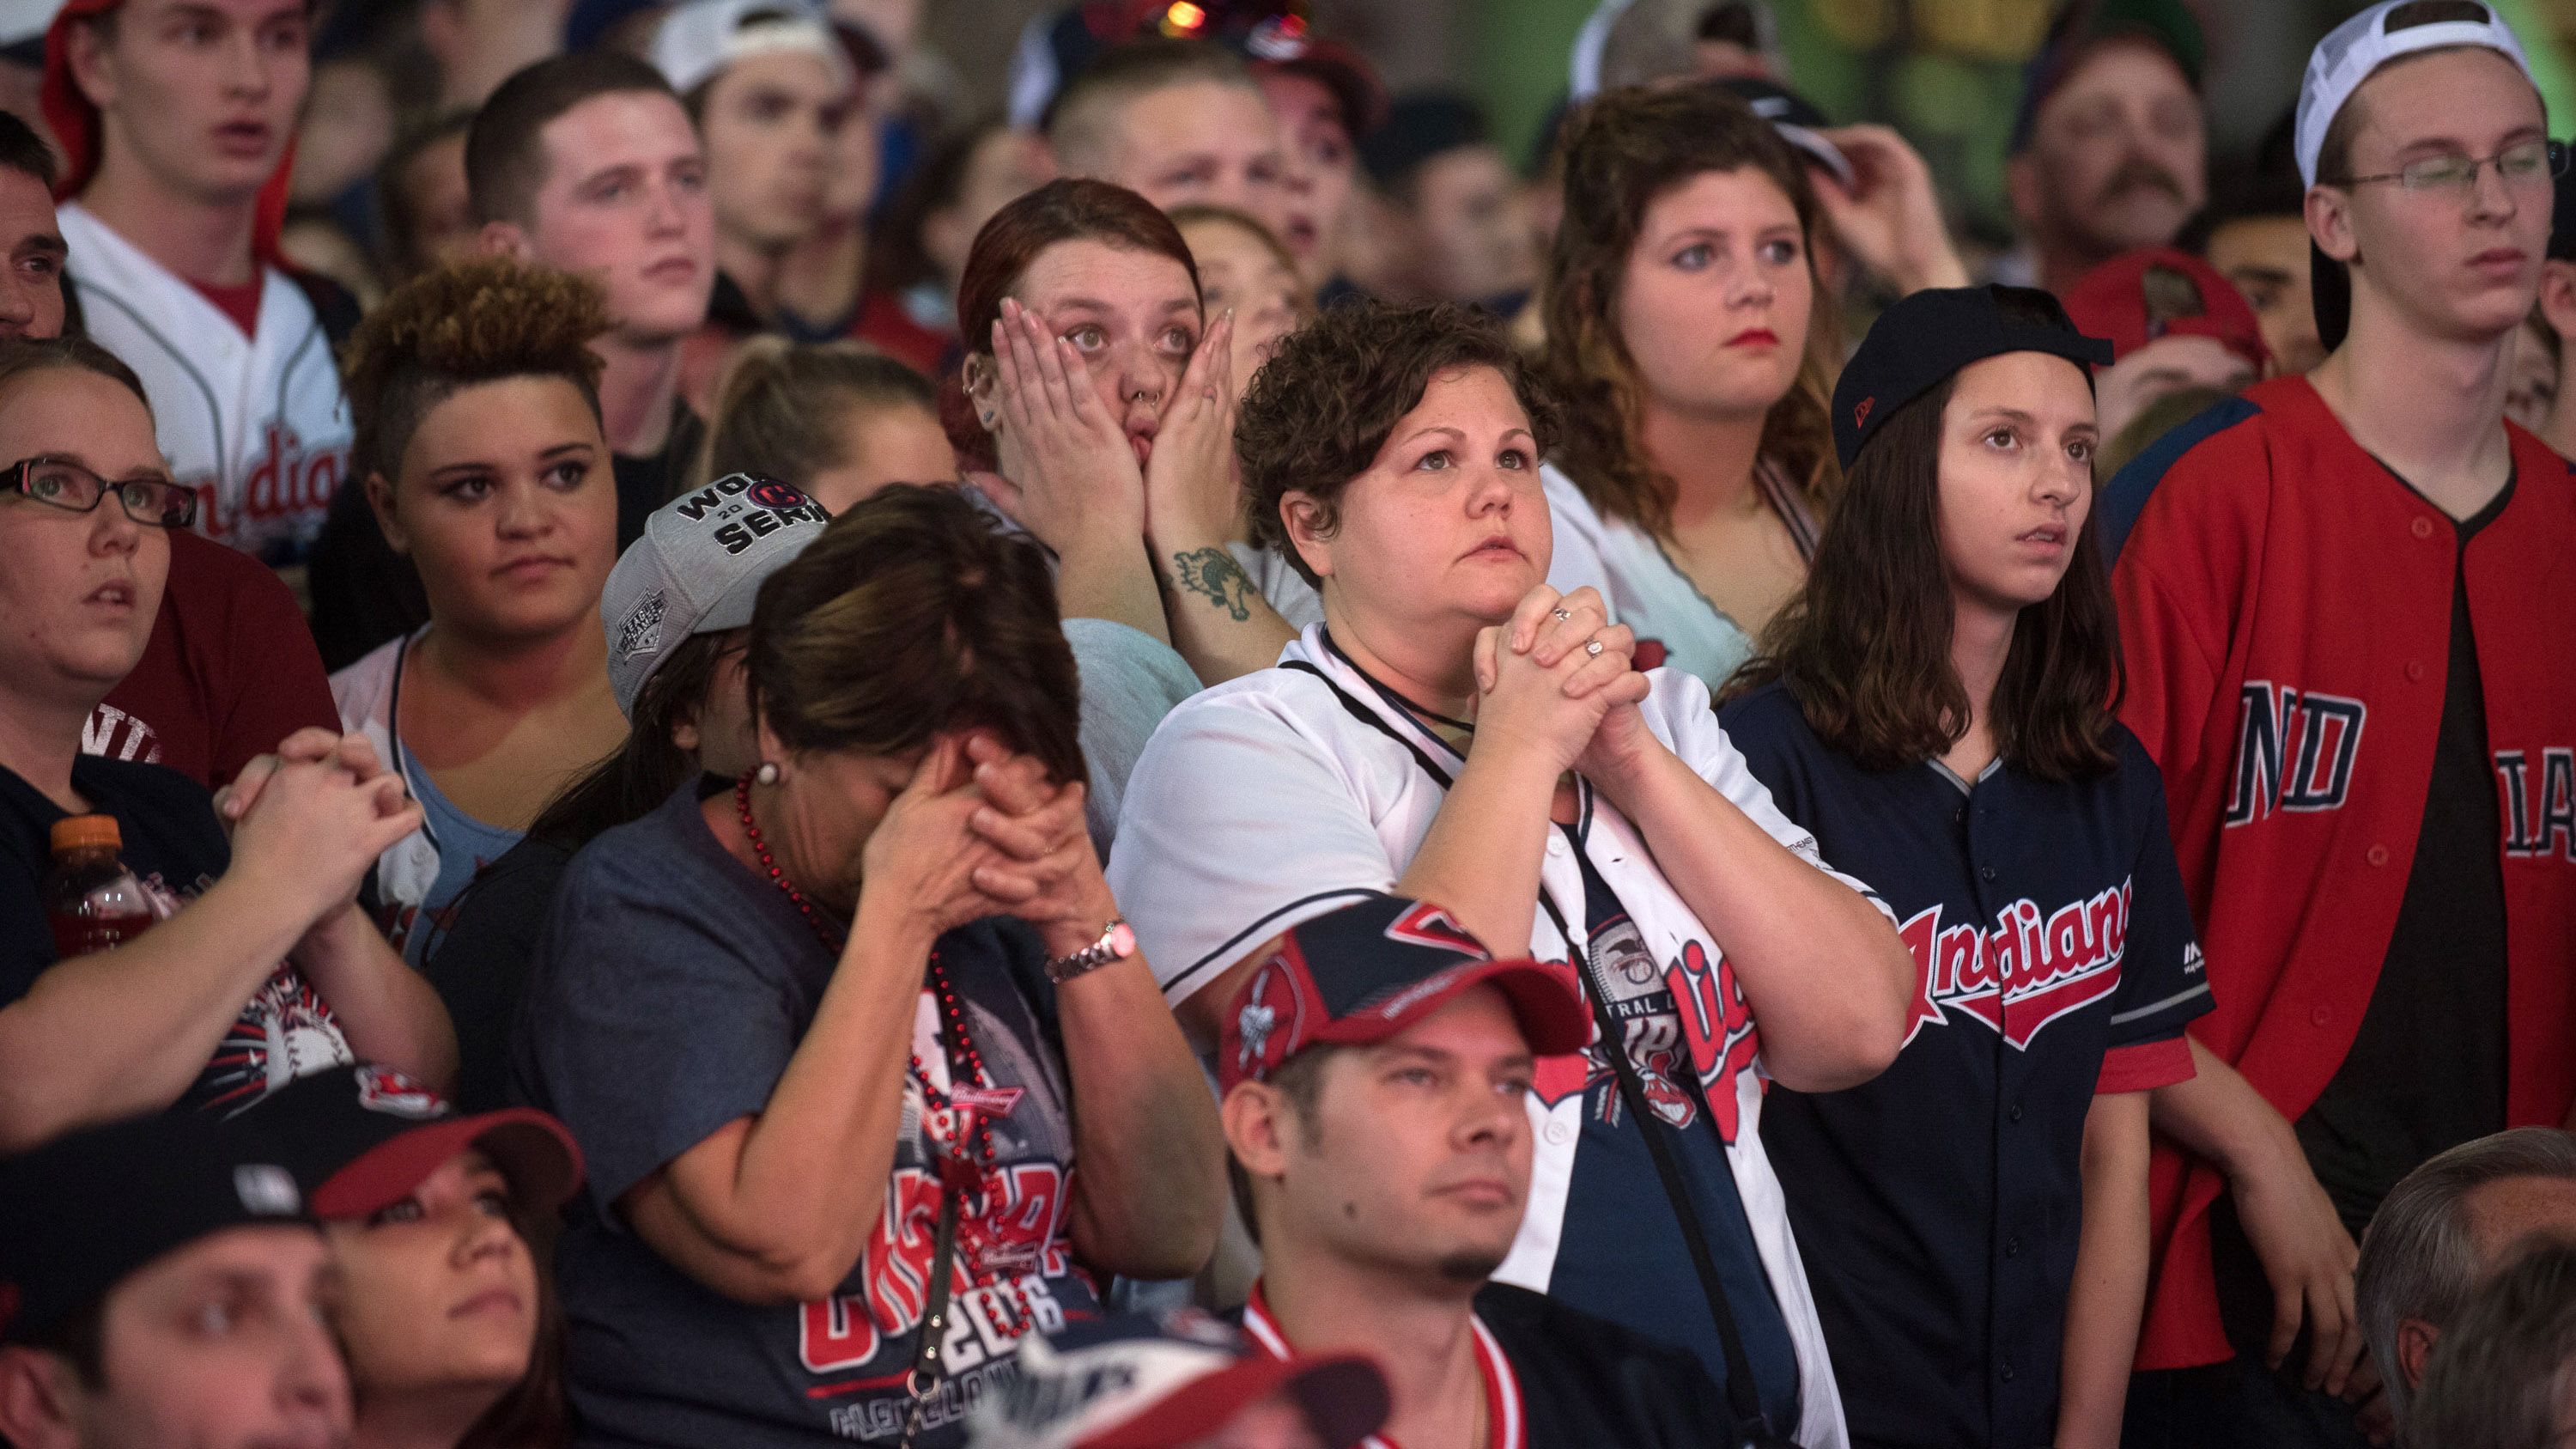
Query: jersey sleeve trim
[
  {"x": 1271, "y": 923},
  {"x": 2159, "y": 1018},
  {"x": 2125, "y": 497},
  {"x": 2144, "y": 1066}
]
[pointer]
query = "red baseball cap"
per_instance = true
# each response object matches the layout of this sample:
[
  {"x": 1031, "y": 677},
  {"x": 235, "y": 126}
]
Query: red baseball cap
[
  {"x": 361, "y": 1138},
  {"x": 1367, "y": 971},
  {"x": 1152, "y": 1381},
  {"x": 2137, "y": 297},
  {"x": 75, "y": 124}
]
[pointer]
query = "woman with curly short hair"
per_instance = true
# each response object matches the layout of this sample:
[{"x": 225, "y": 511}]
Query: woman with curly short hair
[
  {"x": 1456, "y": 731},
  {"x": 479, "y": 445}
]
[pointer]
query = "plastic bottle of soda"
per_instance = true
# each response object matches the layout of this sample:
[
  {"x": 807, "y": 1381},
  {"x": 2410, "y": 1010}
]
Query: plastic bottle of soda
[{"x": 92, "y": 900}]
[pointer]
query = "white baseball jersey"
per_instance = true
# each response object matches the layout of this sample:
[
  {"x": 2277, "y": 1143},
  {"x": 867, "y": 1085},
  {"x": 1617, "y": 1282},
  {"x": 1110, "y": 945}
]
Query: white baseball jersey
[
  {"x": 257, "y": 425},
  {"x": 1284, "y": 794}
]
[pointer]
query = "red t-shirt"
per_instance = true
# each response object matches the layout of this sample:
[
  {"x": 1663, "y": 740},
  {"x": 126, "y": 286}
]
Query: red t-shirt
[
  {"x": 885, "y": 325},
  {"x": 230, "y": 670},
  {"x": 240, "y": 302}
]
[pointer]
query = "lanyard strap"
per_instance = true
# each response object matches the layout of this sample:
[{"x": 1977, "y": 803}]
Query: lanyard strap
[
  {"x": 927, "y": 1370},
  {"x": 1752, "y": 1426}
]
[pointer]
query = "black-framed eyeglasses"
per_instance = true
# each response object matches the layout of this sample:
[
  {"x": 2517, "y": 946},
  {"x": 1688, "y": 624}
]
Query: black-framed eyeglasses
[
  {"x": 62, "y": 483},
  {"x": 2525, "y": 163}
]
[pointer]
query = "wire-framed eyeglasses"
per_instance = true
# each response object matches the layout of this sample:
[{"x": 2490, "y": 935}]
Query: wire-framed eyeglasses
[
  {"x": 62, "y": 483},
  {"x": 2525, "y": 163}
]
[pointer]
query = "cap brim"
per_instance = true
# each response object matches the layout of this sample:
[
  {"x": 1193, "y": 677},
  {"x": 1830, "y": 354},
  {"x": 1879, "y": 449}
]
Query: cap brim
[
  {"x": 1362, "y": 99},
  {"x": 1344, "y": 1396},
  {"x": 1545, "y": 999},
  {"x": 1819, "y": 150},
  {"x": 532, "y": 1150}
]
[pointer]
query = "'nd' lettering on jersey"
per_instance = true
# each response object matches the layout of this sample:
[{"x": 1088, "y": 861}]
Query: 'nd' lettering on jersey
[
  {"x": 1939, "y": 1204},
  {"x": 2285, "y": 609}
]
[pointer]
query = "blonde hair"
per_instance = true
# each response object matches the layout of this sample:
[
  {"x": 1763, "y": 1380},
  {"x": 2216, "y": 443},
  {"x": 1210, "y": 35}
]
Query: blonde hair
[{"x": 778, "y": 403}]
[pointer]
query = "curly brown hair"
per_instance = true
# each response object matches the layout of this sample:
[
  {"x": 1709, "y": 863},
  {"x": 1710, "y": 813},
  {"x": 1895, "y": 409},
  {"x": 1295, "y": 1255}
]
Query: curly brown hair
[
  {"x": 473, "y": 321},
  {"x": 1619, "y": 153},
  {"x": 1322, "y": 406}
]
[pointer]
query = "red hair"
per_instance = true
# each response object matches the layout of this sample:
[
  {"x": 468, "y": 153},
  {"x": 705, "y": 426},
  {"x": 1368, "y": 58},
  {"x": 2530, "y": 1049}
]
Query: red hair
[{"x": 1010, "y": 243}]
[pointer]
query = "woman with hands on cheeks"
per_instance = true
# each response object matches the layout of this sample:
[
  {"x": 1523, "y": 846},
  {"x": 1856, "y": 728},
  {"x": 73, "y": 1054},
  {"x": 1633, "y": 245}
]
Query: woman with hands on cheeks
[
  {"x": 835, "y": 1035},
  {"x": 1106, "y": 400},
  {"x": 1456, "y": 730},
  {"x": 263, "y": 968}
]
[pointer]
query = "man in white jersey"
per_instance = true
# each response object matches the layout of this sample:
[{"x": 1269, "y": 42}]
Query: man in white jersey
[{"x": 177, "y": 117}]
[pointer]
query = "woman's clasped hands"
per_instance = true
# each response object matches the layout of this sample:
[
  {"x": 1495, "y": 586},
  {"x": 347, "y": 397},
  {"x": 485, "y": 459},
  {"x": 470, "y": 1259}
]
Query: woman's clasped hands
[{"x": 1561, "y": 679}]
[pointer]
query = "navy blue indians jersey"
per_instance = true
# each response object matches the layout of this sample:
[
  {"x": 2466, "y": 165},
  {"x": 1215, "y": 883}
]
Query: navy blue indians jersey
[{"x": 1937, "y": 1206}]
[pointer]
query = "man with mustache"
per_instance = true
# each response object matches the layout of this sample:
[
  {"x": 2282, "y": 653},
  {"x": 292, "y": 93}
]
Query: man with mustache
[
  {"x": 2109, "y": 152},
  {"x": 1376, "y": 1070}
]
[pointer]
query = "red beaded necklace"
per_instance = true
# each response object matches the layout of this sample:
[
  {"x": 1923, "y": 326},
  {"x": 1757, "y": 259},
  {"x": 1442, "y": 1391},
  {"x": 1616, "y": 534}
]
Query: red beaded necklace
[{"x": 971, "y": 1169}]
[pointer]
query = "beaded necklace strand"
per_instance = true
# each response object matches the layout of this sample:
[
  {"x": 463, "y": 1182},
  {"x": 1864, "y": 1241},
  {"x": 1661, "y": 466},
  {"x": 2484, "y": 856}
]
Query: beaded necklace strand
[{"x": 969, "y": 1171}]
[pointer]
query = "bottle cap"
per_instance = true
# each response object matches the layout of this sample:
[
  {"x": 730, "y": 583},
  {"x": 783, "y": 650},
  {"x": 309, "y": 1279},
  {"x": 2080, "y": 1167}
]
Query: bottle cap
[{"x": 86, "y": 832}]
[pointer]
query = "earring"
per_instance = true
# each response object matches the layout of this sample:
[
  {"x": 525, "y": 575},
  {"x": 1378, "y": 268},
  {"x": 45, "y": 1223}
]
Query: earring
[
  {"x": 767, "y": 774},
  {"x": 986, "y": 419}
]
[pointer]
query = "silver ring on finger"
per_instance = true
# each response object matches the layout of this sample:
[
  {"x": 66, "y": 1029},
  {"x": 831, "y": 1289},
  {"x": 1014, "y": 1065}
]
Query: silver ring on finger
[
  {"x": 1559, "y": 611},
  {"x": 1592, "y": 648}
]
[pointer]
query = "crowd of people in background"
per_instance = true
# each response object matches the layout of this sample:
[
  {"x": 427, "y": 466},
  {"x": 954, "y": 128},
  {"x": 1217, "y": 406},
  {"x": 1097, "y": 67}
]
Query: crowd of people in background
[{"x": 691, "y": 755}]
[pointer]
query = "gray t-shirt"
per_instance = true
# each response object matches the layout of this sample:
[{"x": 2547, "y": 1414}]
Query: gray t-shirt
[
  {"x": 670, "y": 988},
  {"x": 1130, "y": 680}
]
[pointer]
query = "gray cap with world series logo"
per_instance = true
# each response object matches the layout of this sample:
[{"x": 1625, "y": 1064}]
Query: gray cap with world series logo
[{"x": 697, "y": 570}]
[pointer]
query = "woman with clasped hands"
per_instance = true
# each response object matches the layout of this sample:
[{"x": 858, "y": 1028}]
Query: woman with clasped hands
[
  {"x": 261, "y": 968},
  {"x": 1456, "y": 732},
  {"x": 871, "y": 1081}
]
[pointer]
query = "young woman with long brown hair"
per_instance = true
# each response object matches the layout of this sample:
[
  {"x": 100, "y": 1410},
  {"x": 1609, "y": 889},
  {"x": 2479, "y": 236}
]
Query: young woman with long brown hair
[
  {"x": 1695, "y": 346},
  {"x": 1683, "y": 332},
  {"x": 1936, "y": 707}
]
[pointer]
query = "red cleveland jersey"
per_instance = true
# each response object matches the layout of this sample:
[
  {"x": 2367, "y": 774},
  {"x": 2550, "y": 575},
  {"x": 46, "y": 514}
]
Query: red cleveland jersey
[{"x": 2285, "y": 606}]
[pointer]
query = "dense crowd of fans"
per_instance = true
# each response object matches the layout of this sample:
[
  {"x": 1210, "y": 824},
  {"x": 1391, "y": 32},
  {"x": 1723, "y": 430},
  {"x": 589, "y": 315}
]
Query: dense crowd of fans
[{"x": 692, "y": 755}]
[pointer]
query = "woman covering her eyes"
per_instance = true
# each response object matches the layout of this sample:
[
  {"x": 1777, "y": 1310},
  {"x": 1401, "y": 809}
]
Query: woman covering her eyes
[
  {"x": 1456, "y": 730},
  {"x": 448, "y": 1322},
  {"x": 479, "y": 444}
]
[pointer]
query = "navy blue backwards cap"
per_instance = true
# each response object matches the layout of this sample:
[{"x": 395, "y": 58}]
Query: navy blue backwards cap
[
  {"x": 1918, "y": 343},
  {"x": 82, "y": 1213},
  {"x": 1140, "y": 1381},
  {"x": 1367, "y": 971}
]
